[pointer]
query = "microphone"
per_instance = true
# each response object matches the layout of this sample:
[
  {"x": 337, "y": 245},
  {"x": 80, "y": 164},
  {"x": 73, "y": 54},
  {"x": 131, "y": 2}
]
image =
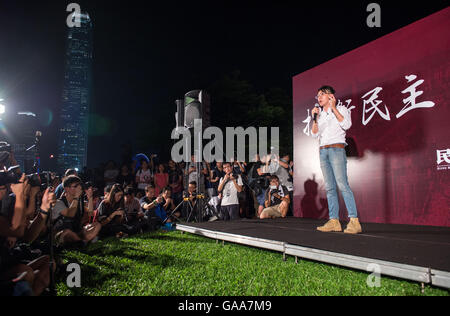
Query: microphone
[{"x": 315, "y": 114}]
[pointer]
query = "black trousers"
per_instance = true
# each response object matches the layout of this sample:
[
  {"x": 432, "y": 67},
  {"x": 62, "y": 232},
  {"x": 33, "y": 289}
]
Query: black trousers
[{"x": 230, "y": 212}]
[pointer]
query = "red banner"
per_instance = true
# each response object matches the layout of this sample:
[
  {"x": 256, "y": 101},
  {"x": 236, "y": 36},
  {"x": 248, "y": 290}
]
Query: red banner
[{"x": 398, "y": 91}]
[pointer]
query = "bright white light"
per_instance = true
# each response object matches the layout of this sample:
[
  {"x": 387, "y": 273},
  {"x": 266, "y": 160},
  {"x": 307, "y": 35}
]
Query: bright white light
[
  {"x": 2, "y": 108},
  {"x": 76, "y": 169},
  {"x": 26, "y": 113}
]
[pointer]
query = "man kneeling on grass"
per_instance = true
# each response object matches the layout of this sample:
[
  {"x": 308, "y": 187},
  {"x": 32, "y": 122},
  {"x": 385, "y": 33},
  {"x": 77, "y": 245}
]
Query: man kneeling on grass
[
  {"x": 71, "y": 215},
  {"x": 277, "y": 200}
]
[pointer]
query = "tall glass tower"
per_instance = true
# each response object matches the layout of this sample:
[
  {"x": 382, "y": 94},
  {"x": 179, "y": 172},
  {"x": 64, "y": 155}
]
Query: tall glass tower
[{"x": 76, "y": 98}]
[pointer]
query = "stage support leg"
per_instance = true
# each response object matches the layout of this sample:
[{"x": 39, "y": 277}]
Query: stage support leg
[
  {"x": 422, "y": 288},
  {"x": 296, "y": 260},
  {"x": 284, "y": 256}
]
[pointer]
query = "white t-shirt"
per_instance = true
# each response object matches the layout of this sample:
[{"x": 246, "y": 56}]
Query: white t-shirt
[
  {"x": 193, "y": 174},
  {"x": 144, "y": 178},
  {"x": 229, "y": 192},
  {"x": 57, "y": 209}
]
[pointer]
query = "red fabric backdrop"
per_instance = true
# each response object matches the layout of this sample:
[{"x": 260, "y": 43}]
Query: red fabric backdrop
[{"x": 398, "y": 155}]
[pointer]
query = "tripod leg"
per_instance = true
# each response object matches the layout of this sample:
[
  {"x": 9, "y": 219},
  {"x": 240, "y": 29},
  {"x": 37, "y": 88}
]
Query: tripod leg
[
  {"x": 172, "y": 212},
  {"x": 192, "y": 207}
]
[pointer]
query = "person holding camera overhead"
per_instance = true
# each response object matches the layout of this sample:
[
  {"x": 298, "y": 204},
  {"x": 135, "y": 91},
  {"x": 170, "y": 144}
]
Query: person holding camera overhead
[
  {"x": 277, "y": 200},
  {"x": 229, "y": 186}
]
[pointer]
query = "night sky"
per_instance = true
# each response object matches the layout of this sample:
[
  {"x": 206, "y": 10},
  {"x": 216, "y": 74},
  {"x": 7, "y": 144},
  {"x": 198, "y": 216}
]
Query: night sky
[{"x": 146, "y": 55}]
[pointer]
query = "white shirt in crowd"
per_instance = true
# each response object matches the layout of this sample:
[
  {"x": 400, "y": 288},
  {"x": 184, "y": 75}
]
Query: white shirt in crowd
[
  {"x": 284, "y": 176},
  {"x": 229, "y": 192},
  {"x": 57, "y": 209},
  {"x": 144, "y": 178},
  {"x": 331, "y": 131}
]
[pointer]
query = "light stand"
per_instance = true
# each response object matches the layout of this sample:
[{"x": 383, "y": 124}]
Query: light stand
[
  {"x": 52, "y": 288},
  {"x": 36, "y": 169},
  {"x": 37, "y": 159}
]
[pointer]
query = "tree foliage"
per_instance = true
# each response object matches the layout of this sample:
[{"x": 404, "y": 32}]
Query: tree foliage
[{"x": 235, "y": 102}]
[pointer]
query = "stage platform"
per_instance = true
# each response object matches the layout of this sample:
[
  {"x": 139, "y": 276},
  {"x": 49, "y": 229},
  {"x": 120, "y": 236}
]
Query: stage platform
[{"x": 417, "y": 253}]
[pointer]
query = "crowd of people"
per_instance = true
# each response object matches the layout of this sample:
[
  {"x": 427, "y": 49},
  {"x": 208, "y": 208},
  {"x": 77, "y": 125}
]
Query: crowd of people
[{"x": 79, "y": 208}]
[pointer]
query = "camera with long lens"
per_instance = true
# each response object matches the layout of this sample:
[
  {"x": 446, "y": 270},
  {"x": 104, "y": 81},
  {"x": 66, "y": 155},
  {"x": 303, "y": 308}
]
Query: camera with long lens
[
  {"x": 8, "y": 176},
  {"x": 13, "y": 175},
  {"x": 273, "y": 190}
]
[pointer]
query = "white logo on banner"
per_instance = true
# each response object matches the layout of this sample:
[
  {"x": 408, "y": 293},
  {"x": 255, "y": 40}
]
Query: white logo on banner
[{"x": 443, "y": 156}]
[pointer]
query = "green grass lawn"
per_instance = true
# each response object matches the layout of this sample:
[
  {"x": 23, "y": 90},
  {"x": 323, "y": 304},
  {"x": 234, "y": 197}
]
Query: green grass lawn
[{"x": 172, "y": 263}]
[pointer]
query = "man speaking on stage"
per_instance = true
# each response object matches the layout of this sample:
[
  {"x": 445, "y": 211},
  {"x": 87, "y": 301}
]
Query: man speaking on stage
[{"x": 329, "y": 125}]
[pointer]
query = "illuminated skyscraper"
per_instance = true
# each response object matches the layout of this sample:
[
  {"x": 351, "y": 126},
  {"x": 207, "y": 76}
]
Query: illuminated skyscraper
[{"x": 76, "y": 98}]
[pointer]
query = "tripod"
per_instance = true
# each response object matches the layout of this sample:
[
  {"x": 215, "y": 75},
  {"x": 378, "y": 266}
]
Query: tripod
[
  {"x": 200, "y": 207},
  {"x": 183, "y": 204}
]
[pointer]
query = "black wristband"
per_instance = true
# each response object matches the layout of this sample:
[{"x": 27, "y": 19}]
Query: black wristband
[{"x": 43, "y": 212}]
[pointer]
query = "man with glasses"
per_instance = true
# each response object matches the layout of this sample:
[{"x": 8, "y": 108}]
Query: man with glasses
[
  {"x": 229, "y": 187},
  {"x": 70, "y": 213},
  {"x": 329, "y": 128}
]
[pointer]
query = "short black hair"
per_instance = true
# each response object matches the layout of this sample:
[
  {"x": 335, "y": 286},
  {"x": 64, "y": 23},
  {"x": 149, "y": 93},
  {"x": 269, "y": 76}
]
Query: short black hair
[
  {"x": 68, "y": 181},
  {"x": 129, "y": 190},
  {"x": 193, "y": 182},
  {"x": 274, "y": 177},
  {"x": 327, "y": 89}
]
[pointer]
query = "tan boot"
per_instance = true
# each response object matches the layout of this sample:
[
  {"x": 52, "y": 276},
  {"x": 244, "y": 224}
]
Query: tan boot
[
  {"x": 332, "y": 225},
  {"x": 353, "y": 227}
]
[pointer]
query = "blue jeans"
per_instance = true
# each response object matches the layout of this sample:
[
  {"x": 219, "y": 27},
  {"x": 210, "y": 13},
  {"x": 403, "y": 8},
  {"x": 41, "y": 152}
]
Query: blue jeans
[{"x": 333, "y": 162}]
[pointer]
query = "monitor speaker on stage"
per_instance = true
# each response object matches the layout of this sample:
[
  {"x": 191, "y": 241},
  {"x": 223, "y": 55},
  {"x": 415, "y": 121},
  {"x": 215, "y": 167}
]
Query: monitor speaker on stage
[{"x": 197, "y": 106}]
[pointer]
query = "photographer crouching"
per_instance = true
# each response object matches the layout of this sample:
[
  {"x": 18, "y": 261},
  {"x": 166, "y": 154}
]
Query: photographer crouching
[{"x": 277, "y": 200}]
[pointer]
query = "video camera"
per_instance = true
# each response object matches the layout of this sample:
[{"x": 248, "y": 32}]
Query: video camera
[{"x": 13, "y": 175}]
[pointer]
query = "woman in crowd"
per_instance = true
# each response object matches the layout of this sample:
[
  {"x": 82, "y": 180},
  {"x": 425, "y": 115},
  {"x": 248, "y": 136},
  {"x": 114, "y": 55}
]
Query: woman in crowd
[
  {"x": 161, "y": 179},
  {"x": 143, "y": 176},
  {"x": 176, "y": 182},
  {"x": 112, "y": 214}
]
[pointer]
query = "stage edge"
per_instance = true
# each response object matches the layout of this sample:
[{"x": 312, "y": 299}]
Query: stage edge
[{"x": 403, "y": 271}]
